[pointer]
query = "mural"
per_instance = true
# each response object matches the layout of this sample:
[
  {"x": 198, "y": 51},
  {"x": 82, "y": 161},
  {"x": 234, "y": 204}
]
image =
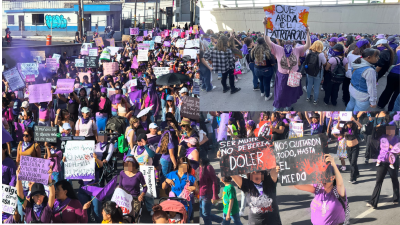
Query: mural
[{"x": 56, "y": 21}]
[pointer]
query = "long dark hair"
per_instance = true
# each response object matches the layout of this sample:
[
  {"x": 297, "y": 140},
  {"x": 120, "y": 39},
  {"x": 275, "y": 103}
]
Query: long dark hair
[
  {"x": 115, "y": 212},
  {"x": 65, "y": 185},
  {"x": 169, "y": 115},
  {"x": 30, "y": 132},
  {"x": 391, "y": 52},
  {"x": 5, "y": 146},
  {"x": 349, "y": 41},
  {"x": 367, "y": 53}
]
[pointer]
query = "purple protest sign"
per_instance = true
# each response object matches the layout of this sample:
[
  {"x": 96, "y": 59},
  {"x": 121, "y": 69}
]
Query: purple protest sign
[
  {"x": 30, "y": 78},
  {"x": 64, "y": 86},
  {"x": 79, "y": 163},
  {"x": 135, "y": 64},
  {"x": 167, "y": 43},
  {"x": 139, "y": 38},
  {"x": 145, "y": 33},
  {"x": 134, "y": 31},
  {"x": 34, "y": 169},
  {"x": 40, "y": 93}
]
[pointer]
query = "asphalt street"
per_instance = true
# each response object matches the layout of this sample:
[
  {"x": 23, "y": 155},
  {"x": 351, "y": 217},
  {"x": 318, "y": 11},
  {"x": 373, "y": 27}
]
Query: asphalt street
[
  {"x": 294, "y": 205},
  {"x": 250, "y": 100},
  {"x": 31, "y": 42}
]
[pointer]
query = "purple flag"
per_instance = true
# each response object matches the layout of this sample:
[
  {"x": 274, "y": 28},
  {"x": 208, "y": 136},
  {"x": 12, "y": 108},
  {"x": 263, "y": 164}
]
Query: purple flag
[
  {"x": 135, "y": 97},
  {"x": 101, "y": 193},
  {"x": 6, "y": 136},
  {"x": 135, "y": 64},
  {"x": 167, "y": 43},
  {"x": 92, "y": 190}
]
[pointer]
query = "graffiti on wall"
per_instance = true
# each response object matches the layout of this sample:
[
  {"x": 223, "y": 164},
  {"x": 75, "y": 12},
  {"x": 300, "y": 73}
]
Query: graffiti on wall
[{"x": 56, "y": 21}]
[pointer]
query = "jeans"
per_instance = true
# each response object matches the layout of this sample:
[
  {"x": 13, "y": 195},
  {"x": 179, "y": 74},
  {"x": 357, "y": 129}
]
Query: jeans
[
  {"x": 101, "y": 122},
  {"x": 231, "y": 80},
  {"x": 314, "y": 81},
  {"x": 391, "y": 91},
  {"x": 205, "y": 211},
  {"x": 96, "y": 205},
  {"x": 352, "y": 155},
  {"x": 255, "y": 78},
  {"x": 242, "y": 201},
  {"x": 165, "y": 167},
  {"x": 331, "y": 89},
  {"x": 396, "y": 106},
  {"x": 149, "y": 202},
  {"x": 265, "y": 75},
  {"x": 355, "y": 105},
  {"x": 205, "y": 78},
  {"x": 234, "y": 218},
  {"x": 381, "y": 172}
]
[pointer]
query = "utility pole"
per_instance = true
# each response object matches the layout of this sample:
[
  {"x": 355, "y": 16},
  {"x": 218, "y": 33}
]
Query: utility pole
[
  {"x": 135, "y": 11},
  {"x": 79, "y": 17},
  {"x": 156, "y": 14},
  {"x": 83, "y": 20}
]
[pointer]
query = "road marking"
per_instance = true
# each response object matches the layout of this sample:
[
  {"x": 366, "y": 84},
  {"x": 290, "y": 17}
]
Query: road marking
[{"x": 370, "y": 210}]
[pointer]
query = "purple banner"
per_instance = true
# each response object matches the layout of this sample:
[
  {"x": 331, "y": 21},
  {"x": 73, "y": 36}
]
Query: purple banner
[
  {"x": 135, "y": 98},
  {"x": 34, "y": 169},
  {"x": 139, "y": 38}
]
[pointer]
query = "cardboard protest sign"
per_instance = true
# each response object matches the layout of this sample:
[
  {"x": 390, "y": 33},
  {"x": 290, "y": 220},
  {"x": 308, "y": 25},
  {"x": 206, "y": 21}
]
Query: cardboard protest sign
[
  {"x": 34, "y": 169},
  {"x": 143, "y": 46},
  {"x": 295, "y": 130},
  {"x": 91, "y": 62},
  {"x": 85, "y": 48},
  {"x": 14, "y": 79},
  {"x": 42, "y": 55},
  {"x": 145, "y": 33},
  {"x": 159, "y": 71},
  {"x": 150, "y": 178},
  {"x": 157, "y": 39},
  {"x": 29, "y": 69},
  {"x": 176, "y": 33},
  {"x": 190, "y": 107},
  {"x": 62, "y": 141},
  {"x": 64, "y": 86},
  {"x": 287, "y": 22},
  {"x": 301, "y": 160},
  {"x": 142, "y": 55},
  {"x": 151, "y": 44},
  {"x": 45, "y": 134},
  {"x": 191, "y": 52},
  {"x": 192, "y": 43},
  {"x": 79, "y": 62},
  {"x": 114, "y": 50},
  {"x": 134, "y": 31},
  {"x": 180, "y": 43},
  {"x": 82, "y": 74},
  {"x": 167, "y": 43},
  {"x": 52, "y": 64},
  {"x": 345, "y": 115},
  {"x": 123, "y": 200},
  {"x": 93, "y": 52},
  {"x": 40, "y": 93},
  {"x": 125, "y": 37},
  {"x": 246, "y": 155},
  {"x": 99, "y": 42},
  {"x": 110, "y": 68},
  {"x": 56, "y": 56},
  {"x": 112, "y": 42},
  {"x": 9, "y": 202},
  {"x": 30, "y": 78},
  {"x": 79, "y": 163},
  {"x": 139, "y": 38}
]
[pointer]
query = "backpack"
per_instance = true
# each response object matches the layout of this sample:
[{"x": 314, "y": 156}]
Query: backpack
[
  {"x": 122, "y": 144},
  {"x": 311, "y": 64},
  {"x": 339, "y": 73}
]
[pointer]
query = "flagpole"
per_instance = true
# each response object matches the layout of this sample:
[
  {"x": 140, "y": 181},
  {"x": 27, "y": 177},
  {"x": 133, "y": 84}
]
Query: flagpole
[{"x": 92, "y": 199}]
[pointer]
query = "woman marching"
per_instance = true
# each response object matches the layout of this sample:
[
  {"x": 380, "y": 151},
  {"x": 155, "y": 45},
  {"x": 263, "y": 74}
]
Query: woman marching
[{"x": 288, "y": 58}]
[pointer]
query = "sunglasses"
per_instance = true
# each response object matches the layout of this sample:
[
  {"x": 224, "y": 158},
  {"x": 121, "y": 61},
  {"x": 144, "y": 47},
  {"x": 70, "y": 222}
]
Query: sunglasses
[
  {"x": 26, "y": 135},
  {"x": 183, "y": 125}
]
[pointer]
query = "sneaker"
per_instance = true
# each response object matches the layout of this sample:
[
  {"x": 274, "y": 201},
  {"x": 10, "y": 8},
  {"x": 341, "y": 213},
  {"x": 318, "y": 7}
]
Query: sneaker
[
  {"x": 395, "y": 203},
  {"x": 329, "y": 140},
  {"x": 350, "y": 181},
  {"x": 268, "y": 98},
  {"x": 241, "y": 213},
  {"x": 239, "y": 78},
  {"x": 391, "y": 166},
  {"x": 226, "y": 90},
  {"x": 315, "y": 102},
  {"x": 219, "y": 78},
  {"x": 326, "y": 103},
  {"x": 353, "y": 182},
  {"x": 236, "y": 80},
  {"x": 236, "y": 90},
  {"x": 322, "y": 89},
  {"x": 307, "y": 99},
  {"x": 377, "y": 164},
  {"x": 304, "y": 88},
  {"x": 369, "y": 205},
  {"x": 214, "y": 87},
  {"x": 256, "y": 89},
  {"x": 262, "y": 94},
  {"x": 343, "y": 168},
  {"x": 272, "y": 84}
]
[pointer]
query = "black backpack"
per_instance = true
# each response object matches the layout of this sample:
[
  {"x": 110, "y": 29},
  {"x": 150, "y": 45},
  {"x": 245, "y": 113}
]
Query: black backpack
[
  {"x": 339, "y": 73},
  {"x": 311, "y": 64}
]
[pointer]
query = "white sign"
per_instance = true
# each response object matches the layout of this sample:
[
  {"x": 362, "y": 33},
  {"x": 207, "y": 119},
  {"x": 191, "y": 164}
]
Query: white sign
[
  {"x": 29, "y": 69},
  {"x": 79, "y": 62},
  {"x": 191, "y": 52},
  {"x": 123, "y": 200},
  {"x": 14, "y": 79},
  {"x": 142, "y": 55},
  {"x": 93, "y": 51},
  {"x": 113, "y": 50},
  {"x": 180, "y": 43},
  {"x": 150, "y": 178},
  {"x": 345, "y": 115},
  {"x": 157, "y": 39},
  {"x": 9, "y": 202},
  {"x": 295, "y": 130},
  {"x": 159, "y": 71},
  {"x": 79, "y": 163},
  {"x": 192, "y": 43},
  {"x": 56, "y": 56},
  {"x": 85, "y": 48}
]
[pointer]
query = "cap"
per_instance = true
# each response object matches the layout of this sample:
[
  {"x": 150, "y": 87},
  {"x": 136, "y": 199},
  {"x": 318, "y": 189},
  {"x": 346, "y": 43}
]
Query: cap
[
  {"x": 315, "y": 115},
  {"x": 381, "y": 41},
  {"x": 333, "y": 39},
  {"x": 141, "y": 137},
  {"x": 85, "y": 110},
  {"x": 381, "y": 36},
  {"x": 37, "y": 189},
  {"x": 297, "y": 119},
  {"x": 25, "y": 104},
  {"x": 185, "y": 121},
  {"x": 66, "y": 126},
  {"x": 170, "y": 98},
  {"x": 153, "y": 126},
  {"x": 192, "y": 141},
  {"x": 183, "y": 90}
]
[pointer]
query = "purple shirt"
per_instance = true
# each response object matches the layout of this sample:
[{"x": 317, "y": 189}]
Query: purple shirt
[
  {"x": 8, "y": 172},
  {"x": 132, "y": 184},
  {"x": 333, "y": 62},
  {"x": 46, "y": 215},
  {"x": 114, "y": 101},
  {"x": 73, "y": 213},
  {"x": 55, "y": 161},
  {"x": 169, "y": 146},
  {"x": 326, "y": 208}
]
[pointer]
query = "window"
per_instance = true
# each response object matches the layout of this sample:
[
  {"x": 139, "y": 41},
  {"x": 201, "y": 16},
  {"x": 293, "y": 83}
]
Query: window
[
  {"x": 10, "y": 19},
  {"x": 37, "y": 19},
  {"x": 177, "y": 17},
  {"x": 178, "y": 3}
]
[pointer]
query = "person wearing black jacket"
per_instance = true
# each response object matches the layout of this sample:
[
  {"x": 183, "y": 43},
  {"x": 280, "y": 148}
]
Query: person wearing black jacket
[
  {"x": 366, "y": 119},
  {"x": 250, "y": 45},
  {"x": 103, "y": 107}
]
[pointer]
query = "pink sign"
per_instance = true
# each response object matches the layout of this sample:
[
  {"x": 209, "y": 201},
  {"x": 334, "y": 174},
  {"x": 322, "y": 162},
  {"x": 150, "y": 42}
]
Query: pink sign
[
  {"x": 134, "y": 63},
  {"x": 30, "y": 78},
  {"x": 64, "y": 86},
  {"x": 110, "y": 68},
  {"x": 40, "y": 93},
  {"x": 82, "y": 74},
  {"x": 134, "y": 31}
]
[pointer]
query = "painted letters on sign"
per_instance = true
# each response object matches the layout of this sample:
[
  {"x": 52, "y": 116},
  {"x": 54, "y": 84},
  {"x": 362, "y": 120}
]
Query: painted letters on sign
[
  {"x": 79, "y": 163},
  {"x": 34, "y": 169},
  {"x": 40, "y": 93},
  {"x": 56, "y": 21},
  {"x": 9, "y": 203},
  {"x": 123, "y": 200}
]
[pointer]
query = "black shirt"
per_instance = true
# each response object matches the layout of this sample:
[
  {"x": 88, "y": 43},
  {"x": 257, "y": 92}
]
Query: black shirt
[
  {"x": 276, "y": 136},
  {"x": 383, "y": 62}
]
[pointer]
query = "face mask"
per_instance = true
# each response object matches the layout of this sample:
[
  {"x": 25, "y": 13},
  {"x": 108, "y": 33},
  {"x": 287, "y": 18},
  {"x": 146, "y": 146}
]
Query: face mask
[
  {"x": 288, "y": 50},
  {"x": 381, "y": 48},
  {"x": 334, "y": 53}
]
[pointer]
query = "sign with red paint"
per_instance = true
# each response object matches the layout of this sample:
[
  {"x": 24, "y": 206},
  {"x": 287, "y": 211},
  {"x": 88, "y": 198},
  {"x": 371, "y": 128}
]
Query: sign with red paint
[
  {"x": 301, "y": 160},
  {"x": 245, "y": 155}
]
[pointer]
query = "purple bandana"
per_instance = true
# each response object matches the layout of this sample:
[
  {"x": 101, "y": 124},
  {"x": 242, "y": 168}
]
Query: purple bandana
[
  {"x": 313, "y": 38},
  {"x": 26, "y": 145},
  {"x": 362, "y": 42},
  {"x": 190, "y": 150},
  {"x": 58, "y": 205},
  {"x": 71, "y": 101},
  {"x": 140, "y": 150},
  {"x": 27, "y": 122},
  {"x": 38, "y": 209},
  {"x": 381, "y": 48},
  {"x": 334, "y": 53},
  {"x": 85, "y": 121},
  {"x": 314, "y": 126},
  {"x": 350, "y": 131},
  {"x": 288, "y": 50}
]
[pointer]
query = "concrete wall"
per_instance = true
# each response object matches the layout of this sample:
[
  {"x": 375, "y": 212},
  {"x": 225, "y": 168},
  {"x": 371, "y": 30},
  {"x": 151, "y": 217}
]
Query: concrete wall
[{"x": 358, "y": 18}]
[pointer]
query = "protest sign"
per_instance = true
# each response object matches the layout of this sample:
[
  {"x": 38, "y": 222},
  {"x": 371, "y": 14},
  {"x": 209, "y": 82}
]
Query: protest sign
[
  {"x": 56, "y": 56},
  {"x": 40, "y": 93},
  {"x": 135, "y": 64},
  {"x": 264, "y": 129},
  {"x": 287, "y": 22},
  {"x": 159, "y": 71},
  {"x": 222, "y": 130},
  {"x": 151, "y": 44},
  {"x": 149, "y": 177},
  {"x": 114, "y": 50},
  {"x": 34, "y": 169},
  {"x": 150, "y": 33},
  {"x": 125, "y": 38},
  {"x": 176, "y": 33},
  {"x": 91, "y": 62},
  {"x": 190, "y": 107},
  {"x": 295, "y": 130},
  {"x": 93, "y": 52},
  {"x": 134, "y": 31},
  {"x": 246, "y": 155},
  {"x": 79, "y": 62},
  {"x": 139, "y": 38},
  {"x": 45, "y": 134},
  {"x": 192, "y": 43},
  {"x": 157, "y": 39},
  {"x": 10, "y": 199},
  {"x": 99, "y": 42},
  {"x": 64, "y": 86},
  {"x": 51, "y": 64},
  {"x": 30, "y": 78},
  {"x": 110, "y": 91},
  {"x": 62, "y": 141},
  {"x": 123, "y": 200},
  {"x": 195, "y": 29},
  {"x": 85, "y": 48},
  {"x": 112, "y": 42},
  {"x": 180, "y": 43},
  {"x": 167, "y": 43},
  {"x": 42, "y": 55},
  {"x": 142, "y": 55},
  {"x": 191, "y": 52},
  {"x": 82, "y": 74},
  {"x": 143, "y": 46},
  {"x": 345, "y": 115},
  {"x": 301, "y": 160},
  {"x": 110, "y": 68},
  {"x": 79, "y": 163},
  {"x": 29, "y": 69}
]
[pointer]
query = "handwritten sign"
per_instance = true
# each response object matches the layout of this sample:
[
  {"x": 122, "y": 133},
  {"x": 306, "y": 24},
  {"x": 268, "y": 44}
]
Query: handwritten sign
[
  {"x": 83, "y": 74},
  {"x": 246, "y": 155},
  {"x": 29, "y": 69},
  {"x": 93, "y": 52},
  {"x": 79, "y": 62},
  {"x": 345, "y": 115},
  {"x": 192, "y": 43},
  {"x": 40, "y": 93},
  {"x": 143, "y": 46},
  {"x": 112, "y": 42},
  {"x": 123, "y": 200},
  {"x": 191, "y": 52},
  {"x": 180, "y": 43},
  {"x": 150, "y": 178},
  {"x": 176, "y": 33},
  {"x": 134, "y": 31},
  {"x": 151, "y": 44},
  {"x": 79, "y": 163},
  {"x": 99, "y": 42},
  {"x": 264, "y": 129},
  {"x": 143, "y": 55},
  {"x": 286, "y": 22},
  {"x": 56, "y": 56},
  {"x": 295, "y": 130},
  {"x": 62, "y": 141},
  {"x": 139, "y": 38},
  {"x": 45, "y": 134},
  {"x": 14, "y": 79},
  {"x": 301, "y": 160},
  {"x": 91, "y": 62},
  {"x": 52, "y": 64},
  {"x": 42, "y": 55},
  {"x": 114, "y": 50},
  {"x": 157, "y": 39},
  {"x": 34, "y": 169},
  {"x": 190, "y": 107},
  {"x": 167, "y": 43},
  {"x": 110, "y": 68},
  {"x": 9, "y": 203},
  {"x": 85, "y": 48},
  {"x": 64, "y": 86},
  {"x": 30, "y": 78},
  {"x": 159, "y": 71}
]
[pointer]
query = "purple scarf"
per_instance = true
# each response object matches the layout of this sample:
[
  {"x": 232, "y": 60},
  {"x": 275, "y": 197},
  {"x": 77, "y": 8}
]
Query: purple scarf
[
  {"x": 334, "y": 53},
  {"x": 314, "y": 126},
  {"x": 350, "y": 131},
  {"x": 85, "y": 121},
  {"x": 190, "y": 150},
  {"x": 244, "y": 50},
  {"x": 58, "y": 205},
  {"x": 381, "y": 48},
  {"x": 27, "y": 122},
  {"x": 140, "y": 150},
  {"x": 288, "y": 50},
  {"x": 37, "y": 209},
  {"x": 26, "y": 145},
  {"x": 71, "y": 101}
]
